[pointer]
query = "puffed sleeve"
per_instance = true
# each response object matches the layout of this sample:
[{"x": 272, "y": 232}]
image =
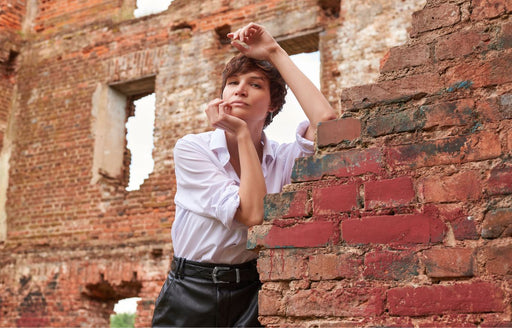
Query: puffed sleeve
[{"x": 203, "y": 186}]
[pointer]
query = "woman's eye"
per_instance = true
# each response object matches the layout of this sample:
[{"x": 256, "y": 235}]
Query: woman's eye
[
  {"x": 232, "y": 83},
  {"x": 256, "y": 85}
]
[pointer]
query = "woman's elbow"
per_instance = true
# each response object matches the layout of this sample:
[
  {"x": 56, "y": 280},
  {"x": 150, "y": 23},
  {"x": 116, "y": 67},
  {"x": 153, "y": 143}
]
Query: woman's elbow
[
  {"x": 328, "y": 116},
  {"x": 250, "y": 219}
]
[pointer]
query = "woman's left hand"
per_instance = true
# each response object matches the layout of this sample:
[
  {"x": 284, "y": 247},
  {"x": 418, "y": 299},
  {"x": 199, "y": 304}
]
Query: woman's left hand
[{"x": 259, "y": 43}]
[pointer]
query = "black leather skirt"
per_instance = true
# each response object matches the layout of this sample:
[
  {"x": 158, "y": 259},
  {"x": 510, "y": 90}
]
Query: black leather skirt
[{"x": 208, "y": 295}]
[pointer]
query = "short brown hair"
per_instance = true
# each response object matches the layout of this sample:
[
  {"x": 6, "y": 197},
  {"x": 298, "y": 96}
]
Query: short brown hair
[{"x": 241, "y": 64}]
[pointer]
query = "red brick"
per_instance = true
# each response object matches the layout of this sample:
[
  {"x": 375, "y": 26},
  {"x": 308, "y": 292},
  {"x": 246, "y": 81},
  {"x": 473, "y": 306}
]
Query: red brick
[
  {"x": 270, "y": 302},
  {"x": 484, "y": 9},
  {"x": 483, "y": 73},
  {"x": 498, "y": 259},
  {"x": 457, "y": 187},
  {"x": 449, "y": 262},
  {"x": 497, "y": 223},
  {"x": 433, "y": 18},
  {"x": 335, "y": 199},
  {"x": 475, "y": 297},
  {"x": 480, "y": 146},
  {"x": 360, "y": 300},
  {"x": 461, "y": 43},
  {"x": 406, "y": 56},
  {"x": 390, "y": 91},
  {"x": 403, "y": 121},
  {"x": 308, "y": 234},
  {"x": 336, "y": 131},
  {"x": 500, "y": 180},
  {"x": 333, "y": 266},
  {"x": 388, "y": 193},
  {"x": 286, "y": 205},
  {"x": 454, "y": 113},
  {"x": 281, "y": 265},
  {"x": 347, "y": 163},
  {"x": 505, "y": 104},
  {"x": 384, "y": 265},
  {"x": 395, "y": 229},
  {"x": 505, "y": 37}
]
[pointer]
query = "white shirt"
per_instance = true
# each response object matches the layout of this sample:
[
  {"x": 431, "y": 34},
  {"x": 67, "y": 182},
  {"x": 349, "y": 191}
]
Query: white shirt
[{"x": 204, "y": 228}]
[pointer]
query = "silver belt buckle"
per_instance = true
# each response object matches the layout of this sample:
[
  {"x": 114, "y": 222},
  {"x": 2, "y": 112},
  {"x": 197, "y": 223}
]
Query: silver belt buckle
[{"x": 217, "y": 269}]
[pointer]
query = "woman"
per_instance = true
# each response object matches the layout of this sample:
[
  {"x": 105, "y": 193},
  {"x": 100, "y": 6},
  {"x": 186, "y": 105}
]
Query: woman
[{"x": 222, "y": 178}]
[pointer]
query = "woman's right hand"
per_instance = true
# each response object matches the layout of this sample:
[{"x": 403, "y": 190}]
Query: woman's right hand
[{"x": 219, "y": 115}]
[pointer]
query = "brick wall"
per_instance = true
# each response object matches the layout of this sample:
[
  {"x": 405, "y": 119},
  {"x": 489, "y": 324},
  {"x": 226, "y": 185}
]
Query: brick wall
[
  {"x": 403, "y": 216},
  {"x": 75, "y": 244}
]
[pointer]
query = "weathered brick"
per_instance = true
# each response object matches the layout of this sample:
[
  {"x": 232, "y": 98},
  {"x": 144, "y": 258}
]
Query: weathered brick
[
  {"x": 500, "y": 180},
  {"x": 463, "y": 225},
  {"x": 286, "y": 204},
  {"x": 505, "y": 105},
  {"x": 498, "y": 259},
  {"x": 307, "y": 234},
  {"x": 484, "y": 9},
  {"x": 339, "y": 301},
  {"x": 461, "y": 186},
  {"x": 341, "y": 164},
  {"x": 449, "y": 262},
  {"x": 461, "y": 43},
  {"x": 392, "y": 91},
  {"x": 394, "y": 229},
  {"x": 483, "y": 73},
  {"x": 404, "y": 121},
  {"x": 505, "y": 37},
  {"x": 406, "y": 56},
  {"x": 270, "y": 302},
  {"x": 388, "y": 193},
  {"x": 454, "y": 113},
  {"x": 497, "y": 223},
  {"x": 337, "y": 131},
  {"x": 281, "y": 265},
  {"x": 480, "y": 146},
  {"x": 333, "y": 266},
  {"x": 335, "y": 199},
  {"x": 385, "y": 265},
  {"x": 474, "y": 297},
  {"x": 433, "y": 18}
]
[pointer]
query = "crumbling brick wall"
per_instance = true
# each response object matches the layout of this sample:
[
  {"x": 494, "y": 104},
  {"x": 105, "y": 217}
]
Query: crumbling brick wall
[
  {"x": 75, "y": 241},
  {"x": 403, "y": 217}
]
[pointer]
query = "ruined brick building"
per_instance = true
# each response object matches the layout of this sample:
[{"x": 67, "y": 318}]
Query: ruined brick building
[{"x": 402, "y": 218}]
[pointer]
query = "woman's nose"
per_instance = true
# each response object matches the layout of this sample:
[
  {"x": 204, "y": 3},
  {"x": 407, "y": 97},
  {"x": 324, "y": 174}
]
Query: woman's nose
[{"x": 240, "y": 90}]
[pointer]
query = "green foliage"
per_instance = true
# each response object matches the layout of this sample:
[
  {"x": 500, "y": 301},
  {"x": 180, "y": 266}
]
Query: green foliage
[{"x": 122, "y": 320}]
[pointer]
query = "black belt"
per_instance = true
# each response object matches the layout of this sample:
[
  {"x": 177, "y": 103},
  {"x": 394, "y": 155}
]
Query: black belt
[{"x": 217, "y": 273}]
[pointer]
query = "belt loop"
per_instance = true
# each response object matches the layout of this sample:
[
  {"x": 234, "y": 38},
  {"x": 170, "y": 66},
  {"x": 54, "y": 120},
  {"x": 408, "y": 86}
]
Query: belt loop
[{"x": 180, "y": 268}]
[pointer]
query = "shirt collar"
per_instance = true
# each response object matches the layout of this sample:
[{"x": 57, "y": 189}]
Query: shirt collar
[
  {"x": 219, "y": 145},
  {"x": 268, "y": 153}
]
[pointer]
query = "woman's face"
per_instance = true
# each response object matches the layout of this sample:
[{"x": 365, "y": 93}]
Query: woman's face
[{"x": 248, "y": 94}]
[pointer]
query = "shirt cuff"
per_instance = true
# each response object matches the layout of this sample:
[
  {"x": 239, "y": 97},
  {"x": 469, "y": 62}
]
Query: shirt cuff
[
  {"x": 230, "y": 202},
  {"x": 305, "y": 145}
]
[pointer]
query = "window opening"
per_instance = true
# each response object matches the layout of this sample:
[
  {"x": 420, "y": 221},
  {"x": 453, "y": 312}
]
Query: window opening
[
  {"x": 150, "y": 7},
  {"x": 283, "y": 128},
  {"x": 125, "y": 312},
  {"x": 139, "y": 138}
]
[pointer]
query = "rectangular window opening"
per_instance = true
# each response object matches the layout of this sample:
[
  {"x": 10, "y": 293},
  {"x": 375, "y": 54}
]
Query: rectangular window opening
[
  {"x": 303, "y": 50},
  {"x": 139, "y": 138},
  {"x": 124, "y": 117}
]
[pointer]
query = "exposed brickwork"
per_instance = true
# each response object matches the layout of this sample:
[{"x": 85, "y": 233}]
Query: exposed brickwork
[
  {"x": 422, "y": 193},
  {"x": 401, "y": 218}
]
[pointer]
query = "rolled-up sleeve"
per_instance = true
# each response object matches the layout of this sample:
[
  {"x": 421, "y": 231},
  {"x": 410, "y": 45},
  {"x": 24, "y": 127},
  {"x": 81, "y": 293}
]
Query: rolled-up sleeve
[
  {"x": 204, "y": 187},
  {"x": 306, "y": 146}
]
